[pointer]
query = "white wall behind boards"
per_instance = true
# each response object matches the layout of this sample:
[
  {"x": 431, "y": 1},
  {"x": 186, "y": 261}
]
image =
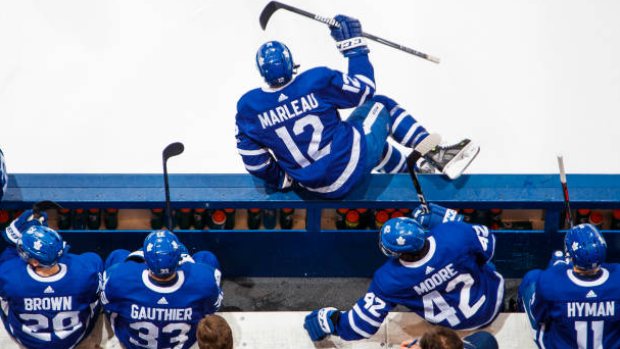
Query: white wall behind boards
[{"x": 102, "y": 86}]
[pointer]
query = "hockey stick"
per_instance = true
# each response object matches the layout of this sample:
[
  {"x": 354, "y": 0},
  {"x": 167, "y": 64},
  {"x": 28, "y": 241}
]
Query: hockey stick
[
  {"x": 42, "y": 206},
  {"x": 569, "y": 216},
  {"x": 411, "y": 160},
  {"x": 423, "y": 147},
  {"x": 273, "y": 6},
  {"x": 171, "y": 150}
]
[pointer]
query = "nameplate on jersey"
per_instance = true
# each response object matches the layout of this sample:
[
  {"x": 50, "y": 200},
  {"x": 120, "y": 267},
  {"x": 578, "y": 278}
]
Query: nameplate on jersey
[
  {"x": 594, "y": 309},
  {"x": 288, "y": 110},
  {"x": 435, "y": 280}
]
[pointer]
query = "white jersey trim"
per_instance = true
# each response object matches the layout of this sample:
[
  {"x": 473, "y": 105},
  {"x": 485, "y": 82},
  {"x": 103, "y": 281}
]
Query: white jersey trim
[
  {"x": 601, "y": 280},
  {"x": 357, "y": 329},
  {"x": 33, "y": 274},
  {"x": 348, "y": 171},
  {"x": 163, "y": 289},
  {"x": 364, "y": 317},
  {"x": 498, "y": 304},
  {"x": 252, "y": 152},
  {"x": 431, "y": 252},
  {"x": 365, "y": 80},
  {"x": 371, "y": 118},
  {"x": 258, "y": 167},
  {"x": 385, "y": 159}
]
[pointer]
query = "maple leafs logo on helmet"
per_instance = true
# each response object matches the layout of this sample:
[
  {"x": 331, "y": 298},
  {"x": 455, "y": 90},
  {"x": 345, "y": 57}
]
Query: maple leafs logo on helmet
[
  {"x": 162, "y": 253},
  {"x": 587, "y": 246},
  {"x": 42, "y": 244},
  {"x": 401, "y": 235},
  {"x": 275, "y": 63}
]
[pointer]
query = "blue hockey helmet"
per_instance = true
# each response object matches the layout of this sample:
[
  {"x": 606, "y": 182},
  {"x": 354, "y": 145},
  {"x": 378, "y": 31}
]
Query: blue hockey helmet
[
  {"x": 162, "y": 253},
  {"x": 586, "y": 246},
  {"x": 275, "y": 63},
  {"x": 401, "y": 235},
  {"x": 42, "y": 244}
]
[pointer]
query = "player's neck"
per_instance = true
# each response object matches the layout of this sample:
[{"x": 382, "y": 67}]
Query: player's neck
[
  {"x": 47, "y": 271},
  {"x": 164, "y": 281},
  {"x": 587, "y": 274}
]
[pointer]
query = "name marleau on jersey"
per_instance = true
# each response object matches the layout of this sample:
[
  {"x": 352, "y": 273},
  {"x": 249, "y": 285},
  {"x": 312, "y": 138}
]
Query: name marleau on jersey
[{"x": 283, "y": 112}]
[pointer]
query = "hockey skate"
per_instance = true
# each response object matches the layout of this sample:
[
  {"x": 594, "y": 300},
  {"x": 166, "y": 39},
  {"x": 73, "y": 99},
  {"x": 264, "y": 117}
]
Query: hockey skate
[{"x": 451, "y": 160}]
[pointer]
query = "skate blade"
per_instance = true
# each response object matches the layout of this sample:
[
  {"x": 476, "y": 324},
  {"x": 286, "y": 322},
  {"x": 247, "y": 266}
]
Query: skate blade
[{"x": 461, "y": 161}]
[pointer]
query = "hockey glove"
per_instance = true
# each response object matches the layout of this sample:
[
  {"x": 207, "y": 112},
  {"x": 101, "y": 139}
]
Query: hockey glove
[
  {"x": 319, "y": 323},
  {"x": 13, "y": 232},
  {"x": 437, "y": 216},
  {"x": 348, "y": 36}
]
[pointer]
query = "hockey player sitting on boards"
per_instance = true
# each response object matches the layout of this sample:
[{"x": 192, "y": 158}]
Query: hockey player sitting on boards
[
  {"x": 50, "y": 297},
  {"x": 290, "y": 133},
  {"x": 443, "y": 276},
  {"x": 155, "y": 297},
  {"x": 574, "y": 303}
]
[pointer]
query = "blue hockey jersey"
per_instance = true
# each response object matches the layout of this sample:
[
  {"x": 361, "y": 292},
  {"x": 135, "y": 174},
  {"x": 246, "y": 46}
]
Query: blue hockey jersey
[
  {"x": 4, "y": 177},
  {"x": 145, "y": 314},
  {"x": 576, "y": 313},
  {"x": 295, "y": 132},
  {"x": 452, "y": 286},
  {"x": 50, "y": 312}
]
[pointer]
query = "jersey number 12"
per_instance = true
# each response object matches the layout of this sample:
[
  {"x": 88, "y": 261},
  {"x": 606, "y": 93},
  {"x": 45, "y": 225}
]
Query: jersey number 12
[{"x": 313, "y": 148}]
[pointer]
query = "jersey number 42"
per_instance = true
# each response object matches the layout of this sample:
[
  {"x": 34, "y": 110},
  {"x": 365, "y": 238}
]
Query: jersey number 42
[{"x": 447, "y": 312}]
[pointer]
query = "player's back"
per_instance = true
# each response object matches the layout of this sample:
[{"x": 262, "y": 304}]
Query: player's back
[
  {"x": 452, "y": 285},
  {"x": 301, "y": 125},
  {"x": 582, "y": 313},
  {"x": 50, "y": 312},
  {"x": 146, "y": 314}
]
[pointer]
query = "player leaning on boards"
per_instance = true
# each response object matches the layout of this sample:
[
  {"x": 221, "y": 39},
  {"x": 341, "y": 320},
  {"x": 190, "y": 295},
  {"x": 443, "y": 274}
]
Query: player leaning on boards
[
  {"x": 50, "y": 298},
  {"x": 290, "y": 133},
  {"x": 155, "y": 297},
  {"x": 575, "y": 303},
  {"x": 444, "y": 276}
]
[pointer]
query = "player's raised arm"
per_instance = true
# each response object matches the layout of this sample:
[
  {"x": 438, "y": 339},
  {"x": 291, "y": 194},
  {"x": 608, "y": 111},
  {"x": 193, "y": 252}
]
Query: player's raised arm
[{"x": 358, "y": 85}]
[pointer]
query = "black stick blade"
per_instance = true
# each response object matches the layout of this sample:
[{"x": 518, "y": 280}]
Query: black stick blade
[
  {"x": 268, "y": 11},
  {"x": 173, "y": 149},
  {"x": 44, "y": 205}
]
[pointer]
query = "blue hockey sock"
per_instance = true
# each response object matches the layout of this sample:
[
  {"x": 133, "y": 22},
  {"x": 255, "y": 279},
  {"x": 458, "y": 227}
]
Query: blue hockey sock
[
  {"x": 392, "y": 160},
  {"x": 405, "y": 129}
]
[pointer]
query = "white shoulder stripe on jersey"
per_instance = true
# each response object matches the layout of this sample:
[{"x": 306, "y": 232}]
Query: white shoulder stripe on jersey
[
  {"x": 601, "y": 280},
  {"x": 257, "y": 167},
  {"x": 357, "y": 329},
  {"x": 364, "y": 317},
  {"x": 365, "y": 80},
  {"x": 348, "y": 170},
  {"x": 252, "y": 152}
]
